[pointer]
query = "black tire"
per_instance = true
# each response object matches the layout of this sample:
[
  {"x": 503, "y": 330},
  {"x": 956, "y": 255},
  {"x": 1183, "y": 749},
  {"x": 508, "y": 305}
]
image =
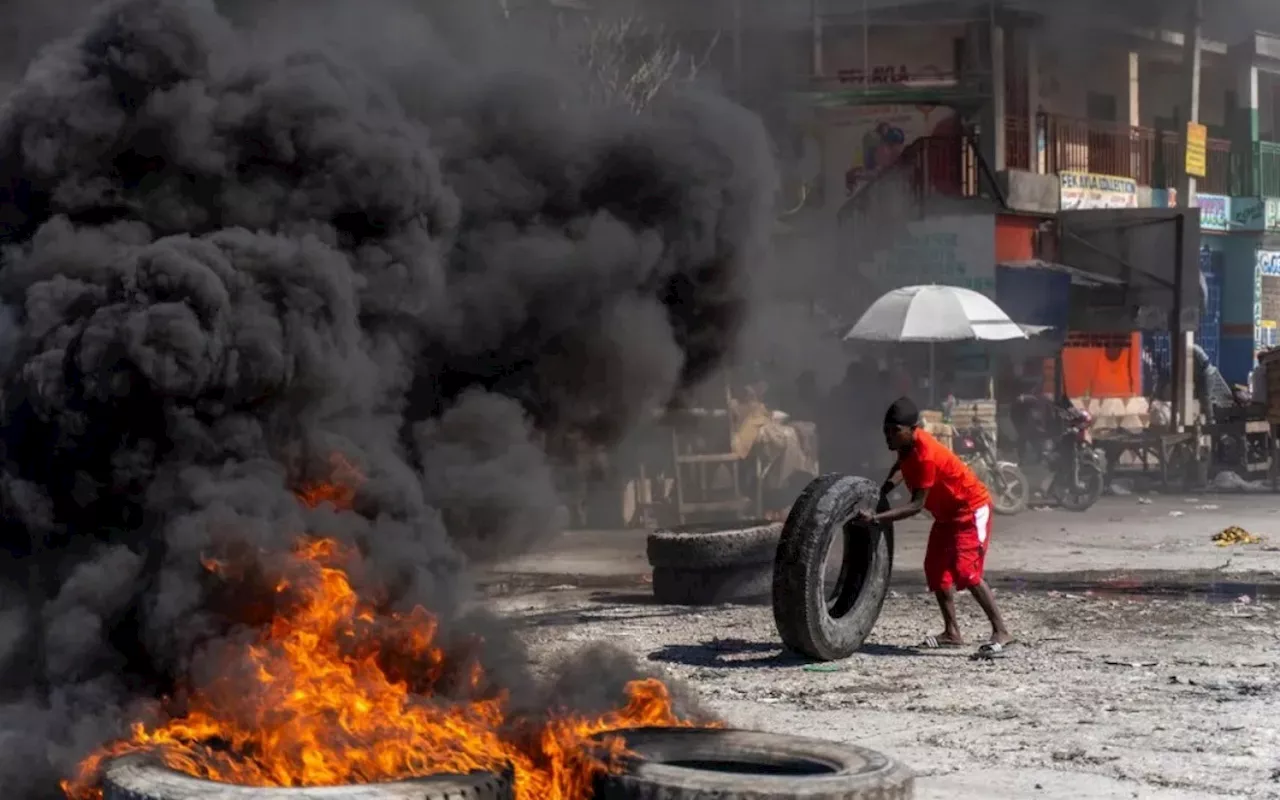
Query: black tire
[
  {"x": 749, "y": 584},
  {"x": 700, "y": 763},
  {"x": 1093, "y": 479},
  {"x": 822, "y": 625},
  {"x": 142, "y": 777},
  {"x": 714, "y": 545},
  {"x": 1016, "y": 501}
]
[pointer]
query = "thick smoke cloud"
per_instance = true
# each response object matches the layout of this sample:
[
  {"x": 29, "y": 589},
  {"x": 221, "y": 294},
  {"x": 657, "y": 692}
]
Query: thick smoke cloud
[{"x": 232, "y": 254}]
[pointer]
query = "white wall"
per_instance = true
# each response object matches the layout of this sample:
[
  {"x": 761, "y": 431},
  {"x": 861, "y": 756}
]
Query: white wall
[
  {"x": 919, "y": 52},
  {"x": 1066, "y": 81},
  {"x": 1164, "y": 86}
]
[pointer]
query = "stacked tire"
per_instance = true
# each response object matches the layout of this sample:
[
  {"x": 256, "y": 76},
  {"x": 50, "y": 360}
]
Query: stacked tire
[{"x": 714, "y": 563}]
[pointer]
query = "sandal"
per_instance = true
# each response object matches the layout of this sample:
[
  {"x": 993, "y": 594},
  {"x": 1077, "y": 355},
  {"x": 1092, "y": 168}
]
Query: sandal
[
  {"x": 934, "y": 643},
  {"x": 994, "y": 649}
]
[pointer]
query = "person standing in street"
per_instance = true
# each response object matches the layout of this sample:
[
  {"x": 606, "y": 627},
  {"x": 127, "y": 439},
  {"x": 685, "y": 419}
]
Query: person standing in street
[{"x": 943, "y": 485}]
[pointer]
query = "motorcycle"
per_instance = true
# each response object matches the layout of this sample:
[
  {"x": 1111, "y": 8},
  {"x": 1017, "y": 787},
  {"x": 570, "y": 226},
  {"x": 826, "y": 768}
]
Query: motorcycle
[
  {"x": 1010, "y": 490},
  {"x": 1080, "y": 469}
]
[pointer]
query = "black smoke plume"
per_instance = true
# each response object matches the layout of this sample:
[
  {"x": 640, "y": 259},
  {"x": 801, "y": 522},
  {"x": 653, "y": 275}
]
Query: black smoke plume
[{"x": 231, "y": 254}]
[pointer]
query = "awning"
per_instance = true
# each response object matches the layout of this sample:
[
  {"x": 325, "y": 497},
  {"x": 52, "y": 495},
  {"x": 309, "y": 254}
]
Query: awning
[{"x": 1079, "y": 277}]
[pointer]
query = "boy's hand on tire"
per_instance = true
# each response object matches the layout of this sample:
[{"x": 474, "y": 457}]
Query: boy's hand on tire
[{"x": 863, "y": 517}]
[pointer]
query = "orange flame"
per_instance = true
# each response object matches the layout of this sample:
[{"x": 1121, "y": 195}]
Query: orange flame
[{"x": 336, "y": 692}]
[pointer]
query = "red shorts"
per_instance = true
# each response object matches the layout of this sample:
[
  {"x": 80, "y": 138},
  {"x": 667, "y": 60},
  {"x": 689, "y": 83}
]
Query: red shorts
[{"x": 957, "y": 551}]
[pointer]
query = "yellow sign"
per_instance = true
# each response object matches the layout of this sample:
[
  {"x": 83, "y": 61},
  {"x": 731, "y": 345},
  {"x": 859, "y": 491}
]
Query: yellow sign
[{"x": 1197, "y": 140}]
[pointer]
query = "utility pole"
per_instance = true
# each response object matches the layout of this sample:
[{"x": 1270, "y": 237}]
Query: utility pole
[
  {"x": 815, "y": 27},
  {"x": 738, "y": 82},
  {"x": 1183, "y": 363}
]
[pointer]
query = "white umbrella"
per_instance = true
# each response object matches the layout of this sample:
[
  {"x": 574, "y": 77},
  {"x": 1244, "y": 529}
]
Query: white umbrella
[{"x": 933, "y": 314}]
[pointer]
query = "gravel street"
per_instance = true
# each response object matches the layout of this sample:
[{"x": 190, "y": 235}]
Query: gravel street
[{"x": 1149, "y": 664}]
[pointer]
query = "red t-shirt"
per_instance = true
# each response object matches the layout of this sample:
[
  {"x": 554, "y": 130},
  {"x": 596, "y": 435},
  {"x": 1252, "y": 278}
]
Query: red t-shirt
[{"x": 954, "y": 491}]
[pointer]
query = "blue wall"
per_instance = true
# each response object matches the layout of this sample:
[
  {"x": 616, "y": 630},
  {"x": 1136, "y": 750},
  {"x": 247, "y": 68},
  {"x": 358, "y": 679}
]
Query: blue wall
[{"x": 1235, "y": 352}]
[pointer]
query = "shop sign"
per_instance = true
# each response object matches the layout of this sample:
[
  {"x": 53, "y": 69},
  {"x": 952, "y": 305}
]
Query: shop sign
[
  {"x": 1248, "y": 214},
  {"x": 1271, "y": 215},
  {"x": 1268, "y": 263},
  {"x": 1214, "y": 210},
  {"x": 1197, "y": 149},
  {"x": 1082, "y": 190}
]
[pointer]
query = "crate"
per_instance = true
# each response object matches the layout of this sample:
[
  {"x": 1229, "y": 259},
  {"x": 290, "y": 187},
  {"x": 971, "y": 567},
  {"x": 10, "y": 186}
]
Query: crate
[{"x": 962, "y": 417}]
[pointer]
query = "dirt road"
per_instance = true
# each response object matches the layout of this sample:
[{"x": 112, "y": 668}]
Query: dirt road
[{"x": 1110, "y": 695}]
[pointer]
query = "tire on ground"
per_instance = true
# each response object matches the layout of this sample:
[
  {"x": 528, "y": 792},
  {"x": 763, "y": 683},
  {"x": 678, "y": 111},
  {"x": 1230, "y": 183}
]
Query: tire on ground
[
  {"x": 808, "y": 622},
  {"x": 142, "y": 777},
  {"x": 1008, "y": 473},
  {"x": 750, "y": 583},
  {"x": 693, "y": 763},
  {"x": 708, "y": 545}
]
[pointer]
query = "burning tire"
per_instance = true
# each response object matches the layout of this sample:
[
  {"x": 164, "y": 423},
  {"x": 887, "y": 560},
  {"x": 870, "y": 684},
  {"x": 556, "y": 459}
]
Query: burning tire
[
  {"x": 709, "y": 564},
  {"x": 821, "y": 613},
  {"x": 140, "y": 777},
  {"x": 692, "y": 764}
]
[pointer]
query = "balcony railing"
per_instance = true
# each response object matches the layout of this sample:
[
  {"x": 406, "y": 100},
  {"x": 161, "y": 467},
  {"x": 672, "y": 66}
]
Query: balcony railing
[
  {"x": 1103, "y": 148},
  {"x": 945, "y": 166},
  {"x": 1017, "y": 143},
  {"x": 1150, "y": 157},
  {"x": 1268, "y": 169}
]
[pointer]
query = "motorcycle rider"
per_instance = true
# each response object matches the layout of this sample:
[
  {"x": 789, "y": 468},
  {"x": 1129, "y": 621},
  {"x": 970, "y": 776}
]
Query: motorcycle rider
[{"x": 943, "y": 485}]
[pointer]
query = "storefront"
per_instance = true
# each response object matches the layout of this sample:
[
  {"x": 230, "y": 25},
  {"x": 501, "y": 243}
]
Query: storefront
[
  {"x": 1250, "y": 285},
  {"x": 1215, "y": 226}
]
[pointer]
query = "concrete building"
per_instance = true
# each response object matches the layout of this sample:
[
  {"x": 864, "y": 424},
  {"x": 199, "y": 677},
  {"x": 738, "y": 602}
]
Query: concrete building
[{"x": 943, "y": 139}]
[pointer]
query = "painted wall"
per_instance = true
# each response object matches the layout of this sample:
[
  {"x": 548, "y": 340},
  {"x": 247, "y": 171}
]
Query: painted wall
[
  {"x": 860, "y": 141},
  {"x": 1103, "y": 365},
  {"x": 947, "y": 250},
  {"x": 1235, "y": 349},
  {"x": 1015, "y": 237},
  {"x": 895, "y": 54}
]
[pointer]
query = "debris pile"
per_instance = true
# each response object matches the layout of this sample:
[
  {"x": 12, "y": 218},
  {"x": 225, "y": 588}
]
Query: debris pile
[{"x": 1235, "y": 535}]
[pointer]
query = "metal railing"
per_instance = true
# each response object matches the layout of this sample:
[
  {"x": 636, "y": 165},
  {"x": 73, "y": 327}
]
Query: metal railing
[
  {"x": 931, "y": 166},
  {"x": 1102, "y": 148},
  {"x": 1150, "y": 157},
  {"x": 1268, "y": 160},
  {"x": 1220, "y": 170},
  {"x": 947, "y": 166},
  {"x": 1017, "y": 143}
]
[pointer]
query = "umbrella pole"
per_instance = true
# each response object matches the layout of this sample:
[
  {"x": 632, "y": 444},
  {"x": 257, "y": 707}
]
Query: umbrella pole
[{"x": 933, "y": 391}]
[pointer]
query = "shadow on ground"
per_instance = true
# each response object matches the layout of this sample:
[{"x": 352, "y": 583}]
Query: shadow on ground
[
  {"x": 728, "y": 654},
  {"x": 743, "y": 654}
]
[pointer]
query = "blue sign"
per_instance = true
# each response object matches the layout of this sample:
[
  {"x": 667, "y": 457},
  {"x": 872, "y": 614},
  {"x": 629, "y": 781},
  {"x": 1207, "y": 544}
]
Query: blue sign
[{"x": 1269, "y": 262}]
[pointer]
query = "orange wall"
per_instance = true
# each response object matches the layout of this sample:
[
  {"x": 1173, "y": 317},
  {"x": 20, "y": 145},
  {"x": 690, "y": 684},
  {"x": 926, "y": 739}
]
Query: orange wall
[
  {"x": 1015, "y": 238},
  {"x": 1096, "y": 370},
  {"x": 1109, "y": 366}
]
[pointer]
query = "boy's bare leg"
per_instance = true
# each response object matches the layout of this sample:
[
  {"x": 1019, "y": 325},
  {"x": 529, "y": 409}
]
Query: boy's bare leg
[
  {"x": 983, "y": 594},
  {"x": 951, "y": 626}
]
